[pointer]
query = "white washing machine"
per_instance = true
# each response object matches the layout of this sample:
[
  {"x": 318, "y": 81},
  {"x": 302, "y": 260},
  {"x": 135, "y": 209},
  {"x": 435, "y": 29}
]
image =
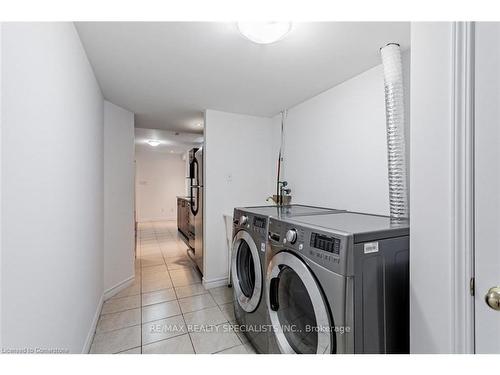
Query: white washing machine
[
  {"x": 338, "y": 284},
  {"x": 250, "y": 243}
]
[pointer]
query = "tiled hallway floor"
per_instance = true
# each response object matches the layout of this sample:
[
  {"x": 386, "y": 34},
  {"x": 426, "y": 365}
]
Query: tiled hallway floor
[{"x": 167, "y": 310}]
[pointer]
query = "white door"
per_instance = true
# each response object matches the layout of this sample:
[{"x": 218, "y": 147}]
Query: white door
[{"x": 487, "y": 186}]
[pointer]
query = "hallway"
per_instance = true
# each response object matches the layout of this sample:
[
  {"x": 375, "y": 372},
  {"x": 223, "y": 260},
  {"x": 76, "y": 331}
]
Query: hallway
[{"x": 167, "y": 309}]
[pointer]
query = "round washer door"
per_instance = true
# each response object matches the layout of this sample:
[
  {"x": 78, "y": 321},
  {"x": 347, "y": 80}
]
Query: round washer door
[
  {"x": 246, "y": 271},
  {"x": 299, "y": 315}
]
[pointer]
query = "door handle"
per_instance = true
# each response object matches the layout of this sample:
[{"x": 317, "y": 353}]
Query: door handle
[
  {"x": 274, "y": 237},
  {"x": 492, "y": 298},
  {"x": 273, "y": 294}
]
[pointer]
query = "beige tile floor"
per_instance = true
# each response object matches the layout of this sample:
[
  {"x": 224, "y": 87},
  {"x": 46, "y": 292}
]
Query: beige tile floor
[{"x": 167, "y": 309}]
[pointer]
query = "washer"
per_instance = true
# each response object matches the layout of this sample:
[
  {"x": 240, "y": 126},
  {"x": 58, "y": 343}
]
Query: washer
[
  {"x": 338, "y": 284},
  {"x": 250, "y": 242}
]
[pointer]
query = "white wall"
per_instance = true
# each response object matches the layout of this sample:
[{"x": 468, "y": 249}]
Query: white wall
[
  {"x": 160, "y": 178},
  {"x": 52, "y": 188},
  {"x": 431, "y": 286},
  {"x": 335, "y": 145},
  {"x": 119, "y": 219},
  {"x": 240, "y": 160}
]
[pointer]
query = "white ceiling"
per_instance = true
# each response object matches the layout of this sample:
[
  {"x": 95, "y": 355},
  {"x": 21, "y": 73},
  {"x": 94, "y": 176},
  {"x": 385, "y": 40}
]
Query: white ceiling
[
  {"x": 169, "y": 72},
  {"x": 171, "y": 142}
]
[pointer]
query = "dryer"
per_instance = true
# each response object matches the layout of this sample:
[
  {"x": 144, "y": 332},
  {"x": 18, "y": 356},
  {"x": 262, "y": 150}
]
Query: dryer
[
  {"x": 250, "y": 243},
  {"x": 338, "y": 284}
]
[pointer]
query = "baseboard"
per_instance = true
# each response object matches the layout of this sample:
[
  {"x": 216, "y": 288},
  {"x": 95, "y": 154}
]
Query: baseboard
[
  {"x": 146, "y": 219},
  {"x": 214, "y": 283},
  {"x": 105, "y": 296},
  {"x": 108, "y": 293},
  {"x": 90, "y": 335}
]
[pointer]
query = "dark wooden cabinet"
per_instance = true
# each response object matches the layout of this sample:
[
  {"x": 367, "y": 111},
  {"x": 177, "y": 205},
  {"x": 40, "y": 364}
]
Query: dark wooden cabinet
[{"x": 183, "y": 207}]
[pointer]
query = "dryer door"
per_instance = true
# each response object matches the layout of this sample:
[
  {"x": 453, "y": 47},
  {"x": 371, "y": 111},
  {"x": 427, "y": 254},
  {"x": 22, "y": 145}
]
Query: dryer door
[
  {"x": 246, "y": 271},
  {"x": 298, "y": 312}
]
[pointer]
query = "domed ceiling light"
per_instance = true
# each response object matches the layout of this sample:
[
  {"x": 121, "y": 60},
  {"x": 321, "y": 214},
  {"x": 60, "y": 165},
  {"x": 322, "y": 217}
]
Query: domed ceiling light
[
  {"x": 153, "y": 142},
  {"x": 264, "y": 32}
]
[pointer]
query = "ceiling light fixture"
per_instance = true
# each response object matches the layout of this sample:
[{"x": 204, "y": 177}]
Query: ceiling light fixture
[
  {"x": 264, "y": 32},
  {"x": 153, "y": 142}
]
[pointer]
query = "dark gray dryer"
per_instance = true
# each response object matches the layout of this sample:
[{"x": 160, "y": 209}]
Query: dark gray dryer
[
  {"x": 338, "y": 284},
  {"x": 250, "y": 243}
]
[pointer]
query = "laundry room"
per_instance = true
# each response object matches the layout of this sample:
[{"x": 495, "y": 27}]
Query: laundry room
[
  {"x": 331, "y": 153},
  {"x": 248, "y": 188},
  {"x": 316, "y": 148}
]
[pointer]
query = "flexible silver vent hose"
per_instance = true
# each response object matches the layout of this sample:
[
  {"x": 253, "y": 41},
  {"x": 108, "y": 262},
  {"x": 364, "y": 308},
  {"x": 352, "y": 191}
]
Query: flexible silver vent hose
[{"x": 395, "y": 119}]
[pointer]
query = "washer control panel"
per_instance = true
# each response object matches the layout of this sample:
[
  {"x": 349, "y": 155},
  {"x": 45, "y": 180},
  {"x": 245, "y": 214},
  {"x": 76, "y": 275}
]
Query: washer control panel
[
  {"x": 259, "y": 225},
  {"x": 243, "y": 220},
  {"x": 250, "y": 222},
  {"x": 291, "y": 235}
]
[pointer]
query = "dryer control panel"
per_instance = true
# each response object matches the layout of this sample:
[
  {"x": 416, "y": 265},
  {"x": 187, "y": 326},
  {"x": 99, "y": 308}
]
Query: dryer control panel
[
  {"x": 321, "y": 247},
  {"x": 326, "y": 243}
]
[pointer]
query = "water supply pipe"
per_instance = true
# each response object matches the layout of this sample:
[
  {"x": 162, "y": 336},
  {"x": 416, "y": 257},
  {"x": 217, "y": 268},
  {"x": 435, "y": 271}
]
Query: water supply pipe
[{"x": 395, "y": 120}]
